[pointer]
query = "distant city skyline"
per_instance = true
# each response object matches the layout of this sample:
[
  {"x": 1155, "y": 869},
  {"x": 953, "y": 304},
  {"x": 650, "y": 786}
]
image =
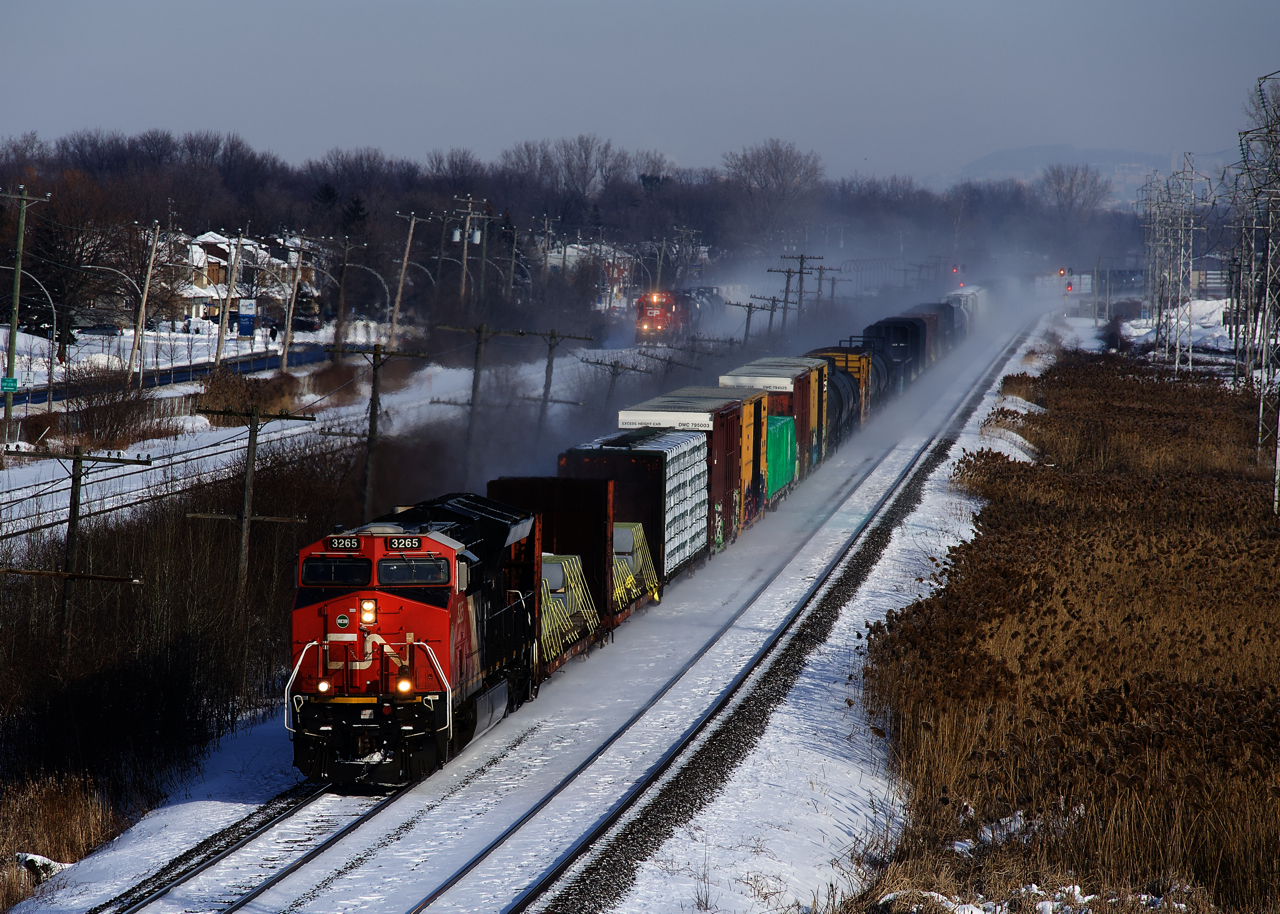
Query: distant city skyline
[{"x": 919, "y": 89}]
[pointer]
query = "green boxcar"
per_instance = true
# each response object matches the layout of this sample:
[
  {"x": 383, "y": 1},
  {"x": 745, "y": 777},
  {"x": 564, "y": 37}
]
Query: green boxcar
[{"x": 782, "y": 454}]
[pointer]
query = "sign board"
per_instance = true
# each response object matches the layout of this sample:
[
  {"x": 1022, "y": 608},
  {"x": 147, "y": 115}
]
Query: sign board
[
  {"x": 248, "y": 316},
  {"x": 8, "y": 385}
]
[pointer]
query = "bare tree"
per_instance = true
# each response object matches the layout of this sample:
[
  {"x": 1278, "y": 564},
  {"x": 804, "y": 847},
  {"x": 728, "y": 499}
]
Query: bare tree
[
  {"x": 1074, "y": 191},
  {"x": 587, "y": 164},
  {"x": 459, "y": 170},
  {"x": 776, "y": 179}
]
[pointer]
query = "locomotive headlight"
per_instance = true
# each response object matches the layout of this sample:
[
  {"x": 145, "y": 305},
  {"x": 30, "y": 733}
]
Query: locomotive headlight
[
  {"x": 323, "y": 686},
  {"x": 368, "y": 611},
  {"x": 404, "y": 685}
]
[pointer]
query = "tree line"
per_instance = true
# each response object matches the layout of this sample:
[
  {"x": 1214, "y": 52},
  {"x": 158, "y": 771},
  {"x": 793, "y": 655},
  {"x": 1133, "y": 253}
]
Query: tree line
[{"x": 761, "y": 200}]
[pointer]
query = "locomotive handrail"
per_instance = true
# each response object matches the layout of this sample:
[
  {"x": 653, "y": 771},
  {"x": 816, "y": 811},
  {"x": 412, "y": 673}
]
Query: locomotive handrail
[
  {"x": 292, "y": 677},
  {"x": 448, "y": 692}
]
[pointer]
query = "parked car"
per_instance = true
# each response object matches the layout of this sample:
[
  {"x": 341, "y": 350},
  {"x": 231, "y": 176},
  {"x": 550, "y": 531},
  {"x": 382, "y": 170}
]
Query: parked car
[{"x": 102, "y": 330}]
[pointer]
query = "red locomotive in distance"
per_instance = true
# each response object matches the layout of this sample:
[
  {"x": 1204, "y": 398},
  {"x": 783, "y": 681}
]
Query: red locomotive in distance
[{"x": 664, "y": 316}]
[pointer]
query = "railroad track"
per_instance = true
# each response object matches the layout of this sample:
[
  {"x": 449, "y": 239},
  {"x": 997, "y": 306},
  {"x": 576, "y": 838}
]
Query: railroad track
[
  {"x": 267, "y": 844},
  {"x": 300, "y": 856}
]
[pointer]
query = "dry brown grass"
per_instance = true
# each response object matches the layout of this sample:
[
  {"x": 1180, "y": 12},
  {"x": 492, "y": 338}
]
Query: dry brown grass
[
  {"x": 62, "y": 818},
  {"x": 1104, "y": 657},
  {"x": 338, "y": 381},
  {"x": 240, "y": 393}
]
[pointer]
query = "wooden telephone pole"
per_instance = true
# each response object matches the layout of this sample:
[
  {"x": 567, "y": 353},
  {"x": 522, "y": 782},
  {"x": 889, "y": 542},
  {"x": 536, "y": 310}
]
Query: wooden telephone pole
[
  {"x": 413, "y": 220},
  {"x": 24, "y": 200},
  {"x": 483, "y": 334},
  {"x": 377, "y": 356},
  {"x": 69, "y": 574},
  {"x": 246, "y": 515},
  {"x": 616, "y": 369},
  {"x": 786, "y": 295},
  {"x": 553, "y": 340},
  {"x": 802, "y": 273},
  {"x": 751, "y": 309}
]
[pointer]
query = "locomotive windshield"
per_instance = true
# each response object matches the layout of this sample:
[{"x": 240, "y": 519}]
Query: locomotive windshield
[
  {"x": 407, "y": 572},
  {"x": 340, "y": 571}
]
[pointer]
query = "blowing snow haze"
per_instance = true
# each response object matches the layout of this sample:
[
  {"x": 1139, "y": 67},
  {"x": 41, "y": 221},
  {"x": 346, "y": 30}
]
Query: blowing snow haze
[{"x": 919, "y": 89}]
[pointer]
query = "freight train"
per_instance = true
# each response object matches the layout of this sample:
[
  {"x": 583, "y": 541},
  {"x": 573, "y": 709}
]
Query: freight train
[{"x": 415, "y": 633}]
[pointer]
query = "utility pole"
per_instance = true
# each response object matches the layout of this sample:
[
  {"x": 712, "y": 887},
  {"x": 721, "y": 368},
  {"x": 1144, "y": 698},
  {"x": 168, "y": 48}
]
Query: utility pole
[
  {"x": 484, "y": 245},
  {"x": 69, "y": 574},
  {"x": 616, "y": 369},
  {"x": 546, "y": 247},
  {"x": 288, "y": 315},
  {"x": 340, "y": 326},
  {"x": 511, "y": 271},
  {"x": 786, "y": 295},
  {"x": 657, "y": 285},
  {"x": 468, "y": 214},
  {"x": 444, "y": 233},
  {"x": 378, "y": 357},
  {"x": 246, "y": 515},
  {"x": 821, "y": 276},
  {"x": 140, "y": 318},
  {"x": 24, "y": 201},
  {"x": 553, "y": 340},
  {"x": 802, "y": 273},
  {"x": 746, "y": 334},
  {"x": 226, "y": 302},
  {"x": 483, "y": 334},
  {"x": 686, "y": 250},
  {"x": 832, "y": 301},
  {"x": 404, "y": 266}
]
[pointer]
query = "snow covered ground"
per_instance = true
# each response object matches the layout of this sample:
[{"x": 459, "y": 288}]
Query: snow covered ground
[
  {"x": 780, "y": 834},
  {"x": 1207, "y": 330},
  {"x": 162, "y": 349}
]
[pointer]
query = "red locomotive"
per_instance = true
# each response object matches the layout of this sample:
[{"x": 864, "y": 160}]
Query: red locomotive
[
  {"x": 411, "y": 635},
  {"x": 664, "y": 316}
]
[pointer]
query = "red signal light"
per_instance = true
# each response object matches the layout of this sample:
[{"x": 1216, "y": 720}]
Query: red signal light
[{"x": 1068, "y": 287}]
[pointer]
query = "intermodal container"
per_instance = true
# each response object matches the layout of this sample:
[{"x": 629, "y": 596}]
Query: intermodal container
[
  {"x": 736, "y": 423},
  {"x": 659, "y": 481},
  {"x": 797, "y": 388}
]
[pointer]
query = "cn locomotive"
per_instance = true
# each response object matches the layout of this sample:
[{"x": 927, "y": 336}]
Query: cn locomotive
[{"x": 417, "y": 632}]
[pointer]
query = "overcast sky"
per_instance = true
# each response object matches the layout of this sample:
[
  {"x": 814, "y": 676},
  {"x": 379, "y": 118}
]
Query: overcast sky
[{"x": 889, "y": 87}]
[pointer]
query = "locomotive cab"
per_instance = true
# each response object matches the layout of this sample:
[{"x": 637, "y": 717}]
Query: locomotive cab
[
  {"x": 663, "y": 316},
  {"x": 411, "y": 635}
]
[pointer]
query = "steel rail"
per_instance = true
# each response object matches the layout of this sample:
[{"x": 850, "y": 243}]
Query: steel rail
[
  {"x": 257, "y": 833},
  {"x": 323, "y": 846},
  {"x": 216, "y": 858}
]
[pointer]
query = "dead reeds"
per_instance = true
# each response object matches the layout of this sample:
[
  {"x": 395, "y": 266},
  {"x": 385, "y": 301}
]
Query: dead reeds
[{"x": 1095, "y": 690}]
